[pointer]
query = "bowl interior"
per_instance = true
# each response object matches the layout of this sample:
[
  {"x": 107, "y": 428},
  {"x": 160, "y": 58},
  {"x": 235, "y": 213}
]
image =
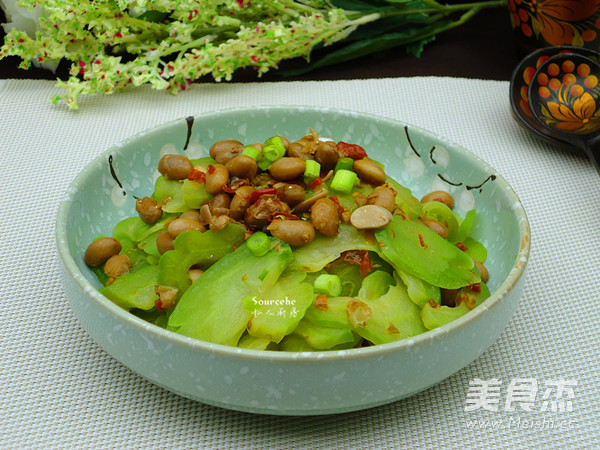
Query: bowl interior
[{"x": 103, "y": 194}]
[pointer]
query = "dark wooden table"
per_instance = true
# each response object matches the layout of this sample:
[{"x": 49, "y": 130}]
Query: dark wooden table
[{"x": 481, "y": 48}]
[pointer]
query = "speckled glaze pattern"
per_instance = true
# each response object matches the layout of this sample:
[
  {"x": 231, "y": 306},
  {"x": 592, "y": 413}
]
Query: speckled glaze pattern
[{"x": 294, "y": 383}]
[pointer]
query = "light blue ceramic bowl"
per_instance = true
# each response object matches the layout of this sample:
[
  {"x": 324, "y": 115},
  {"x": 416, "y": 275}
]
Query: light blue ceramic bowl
[{"x": 294, "y": 383}]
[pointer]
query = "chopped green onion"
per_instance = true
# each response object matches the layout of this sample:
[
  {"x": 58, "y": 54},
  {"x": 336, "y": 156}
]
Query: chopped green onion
[
  {"x": 252, "y": 152},
  {"x": 312, "y": 170},
  {"x": 263, "y": 163},
  {"x": 343, "y": 181},
  {"x": 258, "y": 243},
  {"x": 273, "y": 152},
  {"x": 344, "y": 164},
  {"x": 275, "y": 140},
  {"x": 263, "y": 274},
  {"x": 328, "y": 284}
]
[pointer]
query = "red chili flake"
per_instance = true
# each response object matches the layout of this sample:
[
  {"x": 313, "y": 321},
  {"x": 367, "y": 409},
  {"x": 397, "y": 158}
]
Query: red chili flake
[
  {"x": 315, "y": 183},
  {"x": 421, "y": 241},
  {"x": 321, "y": 302},
  {"x": 197, "y": 175},
  {"x": 228, "y": 189},
  {"x": 433, "y": 303},
  {"x": 241, "y": 3},
  {"x": 118, "y": 34},
  {"x": 81, "y": 64},
  {"x": 260, "y": 192},
  {"x": 159, "y": 306},
  {"x": 366, "y": 265},
  {"x": 360, "y": 258},
  {"x": 461, "y": 246},
  {"x": 211, "y": 169},
  {"x": 351, "y": 150},
  {"x": 475, "y": 287},
  {"x": 336, "y": 200}
]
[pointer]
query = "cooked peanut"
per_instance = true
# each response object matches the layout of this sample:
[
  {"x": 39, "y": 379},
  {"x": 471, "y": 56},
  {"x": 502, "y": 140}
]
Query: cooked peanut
[
  {"x": 287, "y": 168},
  {"x": 293, "y": 232},
  {"x": 370, "y": 217},
  {"x": 259, "y": 213},
  {"x": 164, "y": 242},
  {"x": 242, "y": 166},
  {"x": 369, "y": 171},
  {"x": 485, "y": 275},
  {"x": 326, "y": 154},
  {"x": 218, "y": 222},
  {"x": 148, "y": 210},
  {"x": 216, "y": 178},
  {"x": 194, "y": 274},
  {"x": 221, "y": 200},
  {"x": 117, "y": 265},
  {"x": 439, "y": 196},
  {"x": 178, "y": 226},
  {"x": 240, "y": 202},
  {"x": 324, "y": 217},
  {"x": 100, "y": 250},
  {"x": 292, "y": 194},
  {"x": 191, "y": 214},
  {"x": 449, "y": 296},
  {"x": 175, "y": 167},
  {"x": 223, "y": 151},
  {"x": 383, "y": 196},
  {"x": 307, "y": 204},
  {"x": 435, "y": 226}
]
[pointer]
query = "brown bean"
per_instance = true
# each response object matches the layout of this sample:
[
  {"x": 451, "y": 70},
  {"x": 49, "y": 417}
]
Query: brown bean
[
  {"x": 485, "y": 275},
  {"x": 221, "y": 200},
  {"x": 175, "y": 167},
  {"x": 449, "y": 296},
  {"x": 326, "y": 154},
  {"x": 117, "y": 265},
  {"x": 240, "y": 202},
  {"x": 324, "y": 217},
  {"x": 369, "y": 171},
  {"x": 223, "y": 151},
  {"x": 264, "y": 179},
  {"x": 370, "y": 217},
  {"x": 100, "y": 250},
  {"x": 218, "y": 222},
  {"x": 191, "y": 214},
  {"x": 436, "y": 226},
  {"x": 383, "y": 196},
  {"x": 178, "y": 226},
  {"x": 293, "y": 232},
  {"x": 217, "y": 179},
  {"x": 259, "y": 213},
  {"x": 242, "y": 166},
  {"x": 307, "y": 204},
  {"x": 148, "y": 210},
  {"x": 164, "y": 242},
  {"x": 439, "y": 196},
  {"x": 194, "y": 274},
  {"x": 287, "y": 168},
  {"x": 292, "y": 194}
]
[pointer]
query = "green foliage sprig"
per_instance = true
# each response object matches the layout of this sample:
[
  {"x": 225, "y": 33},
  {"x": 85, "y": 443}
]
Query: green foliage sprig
[{"x": 114, "y": 44}]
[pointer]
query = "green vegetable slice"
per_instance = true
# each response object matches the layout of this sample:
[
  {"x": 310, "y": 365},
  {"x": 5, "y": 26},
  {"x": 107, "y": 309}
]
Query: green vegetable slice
[
  {"x": 196, "y": 248},
  {"x": 391, "y": 317},
  {"x": 436, "y": 316},
  {"x": 134, "y": 289},
  {"x": 414, "y": 248},
  {"x": 212, "y": 308},
  {"x": 322, "y": 250},
  {"x": 278, "y": 313}
]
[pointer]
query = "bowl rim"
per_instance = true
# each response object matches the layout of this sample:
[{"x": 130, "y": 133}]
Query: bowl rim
[{"x": 517, "y": 271}]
